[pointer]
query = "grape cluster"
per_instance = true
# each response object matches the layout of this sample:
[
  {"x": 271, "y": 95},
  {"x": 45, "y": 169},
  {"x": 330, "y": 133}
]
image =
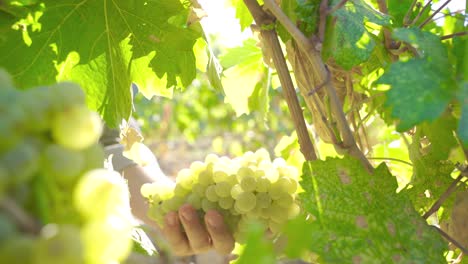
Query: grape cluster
[
  {"x": 246, "y": 188},
  {"x": 57, "y": 202}
]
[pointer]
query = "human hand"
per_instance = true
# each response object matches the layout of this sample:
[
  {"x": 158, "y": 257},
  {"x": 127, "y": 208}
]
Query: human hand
[{"x": 188, "y": 235}]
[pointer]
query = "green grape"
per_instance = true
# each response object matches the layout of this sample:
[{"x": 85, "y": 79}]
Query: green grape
[
  {"x": 211, "y": 158},
  {"x": 288, "y": 184},
  {"x": 279, "y": 162},
  {"x": 293, "y": 211},
  {"x": 248, "y": 183},
  {"x": 9, "y": 135},
  {"x": 236, "y": 191},
  {"x": 232, "y": 180},
  {"x": 261, "y": 155},
  {"x": 277, "y": 213},
  {"x": 199, "y": 189},
  {"x": 180, "y": 191},
  {"x": 195, "y": 200},
  {"x": 101, "y": 192},
  {"x": 7, "y": 228},
  {"x": 38, "y": 111},
  {"x": 205, "y": 177},
  {"x": 64, "y": 165},
  {"x": 208, "y": 205},
  {"x": 220, "y": 175},
  {"x": 21, "y": 163},
  {"x": 93, "y": 157},
  {"x": 76, "y": 127},
  {"x": 223, "y": 189},
  {"x": 197, "y": 167},
  {"x": 243, "y": 172},
  {"x": 210, "y": 193},
  {"x": 246, "y": 201},
  {"x": 263, "y": 184},
  {"x": 59, "y": 244},
  {"x": 277, "y": 189},
  {"x": 226, "y": 202},
  {"x": 107, "y": 240},
  {"x": 67, "y": 94},
  {"x": 285, "y": 200},
  {"x": 156, "y": 213},
  {"x": 172, "y": 204},
  {"x": 263, "y": 200},
  {"x": 185, "y": 178},
  {"x": 19, "y": 249}
]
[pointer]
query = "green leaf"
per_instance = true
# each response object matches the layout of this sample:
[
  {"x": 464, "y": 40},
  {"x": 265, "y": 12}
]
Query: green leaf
[
  {"x": 398, "y": 9},
  {"x": 419, "y": 91},
  {"x": 299, "y": 242},
  {"x": 242, "y": 13},
  {"x": 363, "y": 214},
  {"x": 244, "y": 70},
  {"x": 104, "y": 46},
  {"x": 347, "y": 39},
  {"x": 214, "y": 71},
  {"x": 257, "y": 248},
  {"x": 259, "y": 101},
  {"x": 440, "y": 134},
  {"x": 428, "y": 45}
]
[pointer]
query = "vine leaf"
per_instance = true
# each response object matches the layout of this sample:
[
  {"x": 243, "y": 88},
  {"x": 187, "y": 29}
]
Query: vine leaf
[
  {"x": 242, "y": 13},
  {"x": 257, "y": 249},
  {"x": 105, "y": 46},
  {"x": 422, "y": 87},
  {"x": 348, "y": 41},
  {"x": 243, "y": 70},
  {"x": 368, "y": 218}
]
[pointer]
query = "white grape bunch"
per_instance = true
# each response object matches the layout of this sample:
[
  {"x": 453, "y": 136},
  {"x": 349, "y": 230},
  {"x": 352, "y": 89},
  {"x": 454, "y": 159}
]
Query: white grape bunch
[
  {"x": 246, "y": 188},
  {"x": 51, "y": 167}
]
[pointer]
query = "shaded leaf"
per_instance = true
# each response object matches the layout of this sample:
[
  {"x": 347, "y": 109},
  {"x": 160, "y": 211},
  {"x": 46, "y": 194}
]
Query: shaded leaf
[
  {"x": 368, "y": 220},
  {"x": 347, "y": 40}
]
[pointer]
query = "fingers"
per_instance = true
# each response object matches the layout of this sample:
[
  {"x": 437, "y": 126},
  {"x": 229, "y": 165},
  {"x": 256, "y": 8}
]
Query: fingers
[
  {"x": 222, "y": 239},
  {"x": 172, "y": 230},
  {"x": 197, "y": 235}
]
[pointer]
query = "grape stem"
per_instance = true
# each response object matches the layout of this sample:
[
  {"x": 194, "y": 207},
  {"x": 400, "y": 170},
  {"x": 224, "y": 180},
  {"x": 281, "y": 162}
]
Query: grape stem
[
  {"x": 263, "y": 20},
  {"x": 433, "y": 14},
  {"x": 406, "y": 19},
  {"x": 25, "y": 221},
  {"x": 451, "y": 240},
  {"x": 458, "y": 34},
  {"x": 445, "y": 195},
  {"x": 321, "y": 73},
  {"x": 420, "y": 13}
]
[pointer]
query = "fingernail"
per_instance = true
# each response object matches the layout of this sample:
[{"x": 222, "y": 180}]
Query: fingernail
[
  {"x": 212, "y": 221},
  {"x": 171, "y": 220},
  {"x": 187, "y": 216}
]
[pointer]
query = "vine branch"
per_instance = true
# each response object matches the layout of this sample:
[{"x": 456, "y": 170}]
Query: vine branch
[
  {"x": 420, "y": 13},
  {"x": 443, "y": 197},
  {"x": 317, "y": 64},
  {"x": 458, "y": 34},
  {"x": 433, "y": 14},
  {"x": 263, "y": 20},
  {"x": 452, "y": 240}
]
